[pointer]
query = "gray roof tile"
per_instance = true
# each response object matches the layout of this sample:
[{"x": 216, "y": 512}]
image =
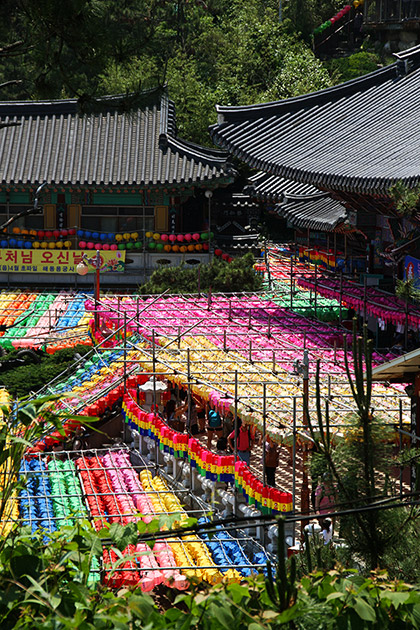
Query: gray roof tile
[
  {"x": 52, "y": 142},
  {"x": 360, "y": 136}
]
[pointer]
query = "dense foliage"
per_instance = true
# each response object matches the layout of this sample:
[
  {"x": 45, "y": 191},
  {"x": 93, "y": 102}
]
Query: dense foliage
[
  {"x": 219, "y": 276},
  {"x": 215, "y": 52},
  {"x": 30, "y": 377}
]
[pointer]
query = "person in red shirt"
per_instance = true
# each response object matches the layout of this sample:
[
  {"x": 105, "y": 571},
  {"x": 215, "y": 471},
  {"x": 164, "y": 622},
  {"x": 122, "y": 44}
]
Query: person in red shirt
[{"x": 244, "y": 441}]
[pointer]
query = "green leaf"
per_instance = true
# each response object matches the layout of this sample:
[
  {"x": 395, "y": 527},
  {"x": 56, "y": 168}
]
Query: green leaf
[
  {"x": 396, "y": 598},
  {"x": 364, "y": 610}
]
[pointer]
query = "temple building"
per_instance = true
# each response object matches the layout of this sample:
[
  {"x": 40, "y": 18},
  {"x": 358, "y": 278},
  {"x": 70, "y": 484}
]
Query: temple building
[
  {"x": 350, "y": 143},
  {"x": 111, "y": 171}
]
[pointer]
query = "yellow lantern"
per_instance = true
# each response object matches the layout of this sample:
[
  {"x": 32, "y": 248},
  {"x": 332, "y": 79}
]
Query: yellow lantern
[
  {"x": 134, "y": 236},
  {"x": 126, "y": 236},
  {"x": 44, "y": 245},
  {"x": 59, "y": 244},
  {"x": 67, "y": 244},
  {"x": 156, "y": 236},
  {"x": 51, "y": 245},
  {"x": 118, "y": 237},
  {"x": 36, "y": 244},
  {"x": 149, "y": 234}
]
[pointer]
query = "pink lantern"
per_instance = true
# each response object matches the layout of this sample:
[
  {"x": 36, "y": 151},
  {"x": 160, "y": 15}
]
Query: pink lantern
[
  {"x": 180, "y": 238},
  {"x": 196, "y": 237},
  {"x": 188, "y": 237},
  {"x": 105, "y": 247},
  {"x": 82, "y": 245},
  {"x": 98, "y": 246},
  {"x": 113, "y": 247},
  {"x": 172, "y": 238},
  {"x": 164, "y": 238},
  {"x": 90, "y": 245}
]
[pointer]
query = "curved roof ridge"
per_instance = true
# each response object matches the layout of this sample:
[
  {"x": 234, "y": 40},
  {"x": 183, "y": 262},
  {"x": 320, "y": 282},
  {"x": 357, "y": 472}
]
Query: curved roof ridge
[
  {"x": 229, "y": 113},
  {"x": 44, "y": 107}
]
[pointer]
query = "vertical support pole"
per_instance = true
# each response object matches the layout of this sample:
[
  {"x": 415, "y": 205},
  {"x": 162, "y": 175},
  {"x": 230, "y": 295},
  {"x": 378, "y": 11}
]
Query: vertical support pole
[
  {"x": 179, "y": 337},
  {"x": 137, "y": 314},
  {"x": 274, "y": 363},
  {"x": 189, "y": 409},
  {"x": 291, "y": 282},
  {"x": 209, "y": 299},
  {"x": 154, "y": 394},
  {"x": 250, "y": 350},
  {"x": 267, "y": 264},
  {"x": 230, "y": 310},
  {"x": 224, "y": 340},
  {"x": 269, "y": 326},
  {"x": 294, "y": 466},
  {"x": 199, "y": 280},
  {"x": 235, "y": 422},
  {"x": 304, "y": 503},
  {"x": 335, "y": 351},
  {"x": 125, "y": 352},
  {"x": 340, "y": 316},
  {"x": 329, "y": 386},
  {"x": 400, "y": 426},
  {"x": 97, "y": 288},
  {"x": 249, "y": 319},
  {"x": 304, "y": 340},
  {"x": 315, "y": 286},
  {"x": 406, "y": 326},
  {"x": 264, "y": 430}
]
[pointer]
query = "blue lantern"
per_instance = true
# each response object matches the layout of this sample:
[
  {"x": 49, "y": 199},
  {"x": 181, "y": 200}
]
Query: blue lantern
[
  {"x": 4, "y": 244},
  {"x": 28, "y": 244},
  {"x": 80, "y": 233}
]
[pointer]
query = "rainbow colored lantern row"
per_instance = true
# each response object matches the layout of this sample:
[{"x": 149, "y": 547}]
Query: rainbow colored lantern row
[
  {"x": 337, "y": 17},
  {"x": 220, "y": 468}
]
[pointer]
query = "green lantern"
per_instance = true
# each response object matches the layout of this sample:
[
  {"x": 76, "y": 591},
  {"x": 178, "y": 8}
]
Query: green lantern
[
  {"x": 205, "y": 236},
  {"x": 159, "y": 247},
  {"x": 130, "y": 245},
  {"x": 152, "y": 245},
  {"x": 138, "y": 245},
  {"x": 121, "y": 245}
]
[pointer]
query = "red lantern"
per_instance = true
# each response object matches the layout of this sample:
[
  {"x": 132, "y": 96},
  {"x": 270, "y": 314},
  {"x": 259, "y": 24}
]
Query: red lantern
[
  {"x": 64, "y": 232},
  {"x": 90, "y": 245},
  {"x": 172, "y": 238},
  {"x": 105, "y": 247},
  {"x": 218, "y": 252},
  {"x": 196, "y": 237},
  {"x": 225, "y": 256},
  {"x": 98, "y": 246},
  {"x": 206, "y": 247},
  {"x": 82, "y": 245},
  {"x": 72, "y": 232},
  {"x": 41, "y": 233},
  {"x": 48, "y": 234},
  {"x": 56, "y": 233},
  {"x": 180, "y": 238}
]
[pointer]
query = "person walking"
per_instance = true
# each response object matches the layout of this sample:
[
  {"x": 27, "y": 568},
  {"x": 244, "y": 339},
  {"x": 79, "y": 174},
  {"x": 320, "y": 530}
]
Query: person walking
[
  {"x": 243, "y": 440},
  {"x": 271, "y": 461},
  {"x": 214, "y": 426}
]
